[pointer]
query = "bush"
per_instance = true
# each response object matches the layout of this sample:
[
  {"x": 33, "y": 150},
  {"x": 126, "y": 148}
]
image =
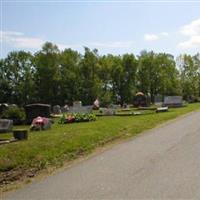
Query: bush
[{"x": 14, "y": 113}]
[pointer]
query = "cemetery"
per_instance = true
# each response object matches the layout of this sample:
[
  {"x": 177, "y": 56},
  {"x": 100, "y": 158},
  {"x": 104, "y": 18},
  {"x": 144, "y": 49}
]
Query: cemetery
[{"x": 49, "y": 138}]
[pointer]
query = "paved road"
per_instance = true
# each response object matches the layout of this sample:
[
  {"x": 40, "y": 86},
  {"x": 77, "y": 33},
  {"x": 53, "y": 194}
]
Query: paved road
[{"x": 163, "y": 164}]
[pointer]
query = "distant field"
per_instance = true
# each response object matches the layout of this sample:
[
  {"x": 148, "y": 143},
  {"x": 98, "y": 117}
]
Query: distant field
[{"x": 66, "y": 142}]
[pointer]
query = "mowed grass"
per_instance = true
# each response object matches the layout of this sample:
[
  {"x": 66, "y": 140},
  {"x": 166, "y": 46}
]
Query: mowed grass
[{"x": 66, "y": 142}]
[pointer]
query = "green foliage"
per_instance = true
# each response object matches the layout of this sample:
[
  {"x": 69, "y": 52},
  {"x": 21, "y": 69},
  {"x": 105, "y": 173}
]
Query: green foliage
[
  {"x": 54, "y": 77},
  {"x": 106, "y": 99},
  {"x": 77, "y": 117},
  {"x": 14, "y": 112}
]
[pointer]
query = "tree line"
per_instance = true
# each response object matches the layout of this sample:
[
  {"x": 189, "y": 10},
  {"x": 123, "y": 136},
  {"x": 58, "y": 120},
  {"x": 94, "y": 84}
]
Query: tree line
[{"x": 58, "y": 77}]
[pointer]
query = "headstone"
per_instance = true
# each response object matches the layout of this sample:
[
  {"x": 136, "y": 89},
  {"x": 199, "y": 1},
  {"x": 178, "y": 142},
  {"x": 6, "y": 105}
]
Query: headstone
[
  {"x": 35, "y": 110},
  {"x": 6, "y": 125},
  {"x": 65, "y": 109},
  {"x": 80, "y": 109},
  {"x": 158, "y": 100},
  {"x": 115, "y": 106},
  {"x": 173, "y": 101},
  {"x": 96, "y": 104},
  {"x": 77, "y": 104},
  {"x": 162, "y": 109},
  {"x": 141, "y": 100},
  {"x": 137, "y": 113},
  {"x": 107, "y": 111},
  {"x": 57, "y": 110}
]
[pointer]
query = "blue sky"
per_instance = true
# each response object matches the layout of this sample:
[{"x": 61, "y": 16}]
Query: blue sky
[{"x": 111, "y": 27}]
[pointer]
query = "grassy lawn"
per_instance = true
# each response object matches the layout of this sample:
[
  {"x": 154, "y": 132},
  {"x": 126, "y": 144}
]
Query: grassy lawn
[{"x": 66, "y": 142}]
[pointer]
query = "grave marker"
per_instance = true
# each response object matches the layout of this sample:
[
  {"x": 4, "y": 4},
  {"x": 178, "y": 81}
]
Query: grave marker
[
  {"x": 35, "y": 110},
  {"x": 56, "y": 110},
  {"x": 173, "y": 101},
  {"x": 6, "y": 125}
]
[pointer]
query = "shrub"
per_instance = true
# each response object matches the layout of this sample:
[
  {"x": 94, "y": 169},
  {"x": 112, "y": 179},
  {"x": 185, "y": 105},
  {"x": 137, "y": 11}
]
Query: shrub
[{"x": 14, "y": 113}]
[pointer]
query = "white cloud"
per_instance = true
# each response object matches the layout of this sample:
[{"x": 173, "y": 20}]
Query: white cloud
[
  {"x": 151, "y": 37},
  {"x": 193, "y": 42},
  {"x": 192, "y": 31},
  {"x": 154, "y": 37},
  {"x": 19, "y": 40}
]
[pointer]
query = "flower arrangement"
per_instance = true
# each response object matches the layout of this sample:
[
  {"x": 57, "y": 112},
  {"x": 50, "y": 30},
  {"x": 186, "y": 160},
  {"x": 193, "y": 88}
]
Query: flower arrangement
[{"x": 77, "y": 117}]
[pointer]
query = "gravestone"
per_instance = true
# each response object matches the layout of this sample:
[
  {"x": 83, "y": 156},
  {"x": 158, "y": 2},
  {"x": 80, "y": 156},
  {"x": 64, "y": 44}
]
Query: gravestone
[
  {"x": 173, "y": 101},
  {"x": 35, "y": 110},
  {"x": 107, "y": 111},
  {"x": 65, "y": 109},
  {"x": 56, "y": 110},
  {"x": 162, "y": 109},
  {"x": 77, "y": 104},
  {"x": 115, "y": 106},
  {"x": 80, "y": 109},
  {"x": 141, "y": 100},
  {"x": 96, "y": 104},
  {"x": 6, "y": 125},
  {"x": 158, "y": 100}
]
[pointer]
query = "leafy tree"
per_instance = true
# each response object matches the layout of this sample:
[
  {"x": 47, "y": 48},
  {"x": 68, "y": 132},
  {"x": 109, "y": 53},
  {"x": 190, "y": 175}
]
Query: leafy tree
[
  {"x": 90, "y": 83},
  {"x": 17, "y": 78},
  {"x": 189, "y": 73},
  {"x": 70, "y": 83},
  {"x": 47, "y": 76}
]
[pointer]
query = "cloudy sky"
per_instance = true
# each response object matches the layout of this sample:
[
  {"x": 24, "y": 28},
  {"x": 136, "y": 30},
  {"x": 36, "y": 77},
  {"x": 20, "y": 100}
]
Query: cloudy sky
[{"x": 115, "y": 27}]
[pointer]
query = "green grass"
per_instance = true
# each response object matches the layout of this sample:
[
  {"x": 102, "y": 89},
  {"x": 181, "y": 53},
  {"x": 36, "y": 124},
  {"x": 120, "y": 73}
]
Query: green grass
[{"x": 66, "y": 142}]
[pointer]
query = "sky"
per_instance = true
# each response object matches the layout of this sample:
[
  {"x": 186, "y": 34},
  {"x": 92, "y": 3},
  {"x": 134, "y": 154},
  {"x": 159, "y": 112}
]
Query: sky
[{"x": 115, "y": 27}]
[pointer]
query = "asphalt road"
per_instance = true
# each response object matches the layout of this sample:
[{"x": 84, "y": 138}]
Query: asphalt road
[{"x": 162, "y": 164}]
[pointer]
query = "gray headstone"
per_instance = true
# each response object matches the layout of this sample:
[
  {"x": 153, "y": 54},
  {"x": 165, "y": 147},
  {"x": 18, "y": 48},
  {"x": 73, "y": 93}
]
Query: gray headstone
[
  {"x": 174, "y": 101},
  {"x": 6, "y": 125},
  {"x": 65, "y": 109},
  {"x": 80, "y": 109},
  {"x": 107, "y": 111},
  {"x": 115, "y": 106},
  {"x": 56, "y": 109},
  {"x": 77, "y": 104},
  {"x": 158, "y": 99}
]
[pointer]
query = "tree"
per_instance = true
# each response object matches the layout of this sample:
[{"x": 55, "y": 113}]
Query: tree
[
  {"x": 90, "y": 83},
  {"x": 17, "y": 78},
  {"x": 47, "y": 76},
  {"x": 189, "y": 75},
  {"x": 70, "y": 83}
]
